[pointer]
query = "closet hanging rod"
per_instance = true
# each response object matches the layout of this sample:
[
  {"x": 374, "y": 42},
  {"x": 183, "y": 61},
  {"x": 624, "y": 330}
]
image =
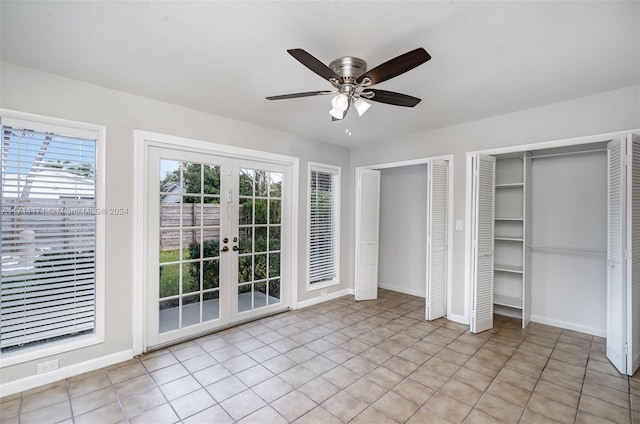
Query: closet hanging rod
[
  {"x": 603, "y": 149},
  {"x": 570, "y": 249}
]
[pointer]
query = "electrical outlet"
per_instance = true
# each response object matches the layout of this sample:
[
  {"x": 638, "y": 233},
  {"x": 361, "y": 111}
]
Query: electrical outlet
[
  {"x": 323, "y": 292},
  {"x": 47, "y": 366}
]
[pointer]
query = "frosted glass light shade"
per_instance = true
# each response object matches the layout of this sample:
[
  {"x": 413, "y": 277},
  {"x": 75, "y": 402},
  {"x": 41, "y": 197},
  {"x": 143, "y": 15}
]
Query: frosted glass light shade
[
  {"x": 340, "y": 102},
  {"x": 361, "y": 106}
]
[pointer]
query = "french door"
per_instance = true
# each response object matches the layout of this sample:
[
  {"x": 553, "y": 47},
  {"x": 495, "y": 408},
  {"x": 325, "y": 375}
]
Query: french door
[{"x": 217, "y": 231}]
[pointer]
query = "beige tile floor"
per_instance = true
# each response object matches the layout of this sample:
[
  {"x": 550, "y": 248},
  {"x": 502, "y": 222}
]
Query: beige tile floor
[{"x": 343, "y": 361}]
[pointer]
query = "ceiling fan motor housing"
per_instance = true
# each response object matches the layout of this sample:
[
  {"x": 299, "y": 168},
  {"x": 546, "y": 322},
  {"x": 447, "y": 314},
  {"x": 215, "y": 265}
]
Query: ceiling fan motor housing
[{"x": 349, "y": 68}]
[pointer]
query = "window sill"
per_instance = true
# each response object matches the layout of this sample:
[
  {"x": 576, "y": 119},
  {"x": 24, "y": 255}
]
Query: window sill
[{"x": 322, "y": 285}]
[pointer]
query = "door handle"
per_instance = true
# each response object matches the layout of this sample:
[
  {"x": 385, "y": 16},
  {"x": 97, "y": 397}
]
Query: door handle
[
  {"x": 226, "y": 248},
  {"x": 235, "y": 248}
]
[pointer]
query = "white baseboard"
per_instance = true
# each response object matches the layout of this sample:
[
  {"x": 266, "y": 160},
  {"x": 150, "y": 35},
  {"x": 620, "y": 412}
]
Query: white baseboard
[
  {"x": 320, "y": 299},
  {"x": 569, "y": 326},
  {"x": 33, "y": 381},
  {"x": 457, "y": 318},
  {"x": 403, "y": 290}
]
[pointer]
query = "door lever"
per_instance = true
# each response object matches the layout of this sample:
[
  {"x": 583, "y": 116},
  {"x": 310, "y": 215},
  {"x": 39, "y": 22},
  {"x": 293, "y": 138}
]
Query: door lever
[
  {"x": 235, "y": 248},
  {"x": 226, "y": 248}
]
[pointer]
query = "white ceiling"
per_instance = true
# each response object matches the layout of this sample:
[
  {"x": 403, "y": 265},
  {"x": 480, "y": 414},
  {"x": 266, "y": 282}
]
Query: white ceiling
[{"x": 489, "y": 58}]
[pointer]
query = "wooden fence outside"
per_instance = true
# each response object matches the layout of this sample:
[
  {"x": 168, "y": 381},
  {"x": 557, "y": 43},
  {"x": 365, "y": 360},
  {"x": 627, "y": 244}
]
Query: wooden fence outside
[
  {"x": 38, "y": 224},
  {"x": 193, "y": 215}
]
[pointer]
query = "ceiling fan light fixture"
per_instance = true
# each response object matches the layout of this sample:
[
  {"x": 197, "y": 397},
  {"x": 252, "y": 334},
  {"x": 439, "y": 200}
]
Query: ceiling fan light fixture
[
  {"x": 361, "y": 106},
  {"x": 337, "y": 114},
  {"x": 340, "y": 102}
]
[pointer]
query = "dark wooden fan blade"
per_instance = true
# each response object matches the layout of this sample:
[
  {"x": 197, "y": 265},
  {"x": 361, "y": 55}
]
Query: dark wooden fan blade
[
  {"x": 296, "y": 95},
  {"x": 314, "y": 64},
  {"x": 393, "y": 98},
  {"x": 396, "y": 66}
]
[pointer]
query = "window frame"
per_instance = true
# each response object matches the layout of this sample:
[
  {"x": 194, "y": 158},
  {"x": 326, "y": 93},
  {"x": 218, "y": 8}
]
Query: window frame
[
  {"x": 336, "y": 172},
  {"x": 58, "y": 125}
]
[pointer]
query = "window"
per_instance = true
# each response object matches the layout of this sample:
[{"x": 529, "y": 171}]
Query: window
[
  {"x": 51, "y": 222},
  {"x": 324, "y": 225}
]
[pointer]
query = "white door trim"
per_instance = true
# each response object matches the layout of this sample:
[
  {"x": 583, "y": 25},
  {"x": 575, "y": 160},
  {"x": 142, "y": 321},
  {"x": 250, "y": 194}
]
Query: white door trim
[{"x": 142, "y": 141}]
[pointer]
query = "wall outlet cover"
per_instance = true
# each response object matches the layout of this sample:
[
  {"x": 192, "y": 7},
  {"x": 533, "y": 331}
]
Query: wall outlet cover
[{"x": 47, "y": 366}]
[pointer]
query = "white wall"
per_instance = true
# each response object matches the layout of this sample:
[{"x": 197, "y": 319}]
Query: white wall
[
  {"x": 31, "y": 91},
  {"x": 402, "y": 257},
  {"x": 601, "y": 113},
  {"x": 569, "y": 209}
]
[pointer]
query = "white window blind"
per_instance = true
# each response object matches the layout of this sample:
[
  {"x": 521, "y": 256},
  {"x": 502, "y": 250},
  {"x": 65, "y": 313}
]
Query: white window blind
[
  {"x": 48, "y": 279},
  {"x": 324, "y": 224}
]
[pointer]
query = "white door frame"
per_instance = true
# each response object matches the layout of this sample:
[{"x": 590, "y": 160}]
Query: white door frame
[
  {"x": 468, "y": 238},
  {"x": 421, "y": 161},
  {"x": 143, "y": 141}
]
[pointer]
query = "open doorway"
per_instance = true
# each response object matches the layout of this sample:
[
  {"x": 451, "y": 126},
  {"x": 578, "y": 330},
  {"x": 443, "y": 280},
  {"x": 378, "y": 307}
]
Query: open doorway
[{"x": 404, "y": 230}]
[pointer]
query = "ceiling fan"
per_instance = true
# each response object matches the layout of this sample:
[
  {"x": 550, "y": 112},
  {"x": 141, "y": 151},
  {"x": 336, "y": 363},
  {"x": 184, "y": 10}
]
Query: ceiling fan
[{"x": 351, "y": 81}]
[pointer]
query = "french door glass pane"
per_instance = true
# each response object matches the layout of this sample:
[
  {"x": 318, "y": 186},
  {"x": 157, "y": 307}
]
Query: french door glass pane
[
  {"x": 189, "y": 244},
  {"x": 210, "y": 305},
  {"x": 259, "y": 232},
  {"x": 169, "y": 280}
]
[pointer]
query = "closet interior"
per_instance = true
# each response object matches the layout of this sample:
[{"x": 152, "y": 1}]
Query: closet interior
[
  {"x": 553, "y": 234},
  {"x": 549, "y": 226}
]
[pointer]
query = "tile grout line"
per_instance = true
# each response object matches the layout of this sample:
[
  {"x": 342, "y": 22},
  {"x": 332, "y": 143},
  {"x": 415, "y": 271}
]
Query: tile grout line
[
  {"x": 630, "y": 406},
  {"x": 524, "y": 411},
  {"x": 584, "y": 379}
]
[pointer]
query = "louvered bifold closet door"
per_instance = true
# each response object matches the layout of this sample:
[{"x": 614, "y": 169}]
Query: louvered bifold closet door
[
  {"x": 47, "y": 287},
  {"x": 437, "y": 238},
  {"x": 616, "y": 296},
  {"x": 633, "y": 268},
  {"x": 484, "y": 169},
  {"x": 367, "y": 231}
]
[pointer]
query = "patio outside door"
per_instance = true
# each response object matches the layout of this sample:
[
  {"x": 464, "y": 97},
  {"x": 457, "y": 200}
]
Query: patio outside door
[{"x": 215, "y": 242}]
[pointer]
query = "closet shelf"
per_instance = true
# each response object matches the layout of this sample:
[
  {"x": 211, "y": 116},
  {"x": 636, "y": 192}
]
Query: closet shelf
[
  {"x": 511, "y": 302},
  {"x": 509, "y": 218},
  {"x": 508, "y": 268}
]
